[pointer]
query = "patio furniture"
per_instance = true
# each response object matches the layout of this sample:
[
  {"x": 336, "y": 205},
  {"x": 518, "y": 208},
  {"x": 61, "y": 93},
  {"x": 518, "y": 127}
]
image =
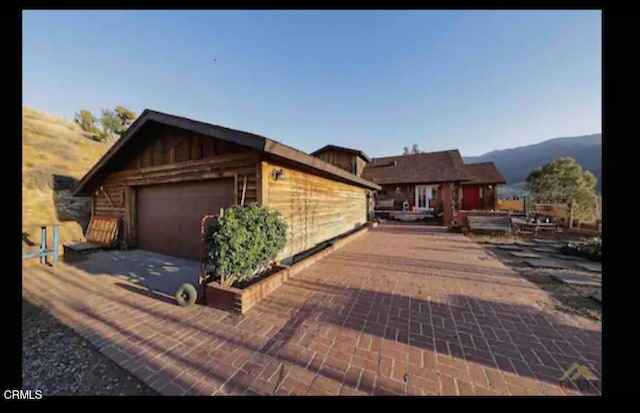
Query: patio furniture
[
  {"x": 489, "y": 223},
  {"x": 43, "y": 252},
  {"x": 382, "y": 204},
  {"x": 102, "y": 233},
  {"x": 520, "y": 225}
]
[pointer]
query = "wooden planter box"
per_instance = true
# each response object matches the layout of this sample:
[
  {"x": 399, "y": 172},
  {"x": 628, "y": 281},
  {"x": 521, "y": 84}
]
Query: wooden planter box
[{"x": 241, "y": 300}]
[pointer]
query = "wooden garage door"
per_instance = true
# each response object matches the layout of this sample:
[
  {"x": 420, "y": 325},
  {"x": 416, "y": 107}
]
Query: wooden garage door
[{"x": 169, "y": 215}]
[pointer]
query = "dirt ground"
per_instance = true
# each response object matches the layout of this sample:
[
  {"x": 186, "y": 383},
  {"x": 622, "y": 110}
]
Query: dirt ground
[
  {"x": 568, "y": 298},
  {"x": 58, "y": 361}
]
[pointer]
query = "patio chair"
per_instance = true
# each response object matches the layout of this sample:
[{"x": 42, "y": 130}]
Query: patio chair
[{"x": 102, "y": 233}]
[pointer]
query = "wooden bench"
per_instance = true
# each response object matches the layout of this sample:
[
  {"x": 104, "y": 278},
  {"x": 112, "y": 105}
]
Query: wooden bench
[{"x": 102, "y": 233}]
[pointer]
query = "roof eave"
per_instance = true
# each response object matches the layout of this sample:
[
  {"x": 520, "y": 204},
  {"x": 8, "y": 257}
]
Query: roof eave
[
  {"x": 247, "y": 139},
  {"x": 352, "y": 151},
  {"x": 79, "y": 188}
]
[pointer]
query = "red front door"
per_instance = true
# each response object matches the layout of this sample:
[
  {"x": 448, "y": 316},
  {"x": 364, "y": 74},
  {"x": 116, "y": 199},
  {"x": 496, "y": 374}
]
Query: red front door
[{"x": 471, "y": 197}]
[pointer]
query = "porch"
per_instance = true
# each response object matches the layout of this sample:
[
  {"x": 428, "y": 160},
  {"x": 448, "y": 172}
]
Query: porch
[{"x": 433, "y": 203}]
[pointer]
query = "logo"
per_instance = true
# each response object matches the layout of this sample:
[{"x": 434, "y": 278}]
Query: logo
[
  {"x": 22, "y": 394},
  {"x": 577, "y": 371},
  {"x": 579, "y": 375}
]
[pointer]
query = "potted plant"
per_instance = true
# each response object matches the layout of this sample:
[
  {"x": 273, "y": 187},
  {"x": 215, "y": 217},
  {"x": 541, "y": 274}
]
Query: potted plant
[{"x": 242, "y": 245}]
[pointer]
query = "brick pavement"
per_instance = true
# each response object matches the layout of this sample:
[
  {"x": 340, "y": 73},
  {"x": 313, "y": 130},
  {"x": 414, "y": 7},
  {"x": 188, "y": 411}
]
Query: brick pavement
[{"x": 402, "y": 310}]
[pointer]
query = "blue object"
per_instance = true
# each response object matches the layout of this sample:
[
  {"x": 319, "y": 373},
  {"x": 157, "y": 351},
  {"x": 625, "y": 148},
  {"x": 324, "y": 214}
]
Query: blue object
[{"x": 43, "y": 252}]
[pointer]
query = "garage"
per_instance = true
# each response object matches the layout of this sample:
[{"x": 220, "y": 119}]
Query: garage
[{"x": 169, "y": 215}]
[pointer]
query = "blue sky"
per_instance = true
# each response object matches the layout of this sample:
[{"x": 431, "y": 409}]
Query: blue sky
[{"x": 372, "y": 80}]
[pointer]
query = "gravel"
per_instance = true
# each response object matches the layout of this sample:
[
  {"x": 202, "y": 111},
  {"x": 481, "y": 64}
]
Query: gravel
[
  {"x": 572, "y": 299},
  {"x": 58, "y": 361}
]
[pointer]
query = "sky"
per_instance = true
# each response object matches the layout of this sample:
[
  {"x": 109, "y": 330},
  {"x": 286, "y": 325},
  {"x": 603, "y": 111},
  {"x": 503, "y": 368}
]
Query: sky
[{"x": 372, "y": 80}]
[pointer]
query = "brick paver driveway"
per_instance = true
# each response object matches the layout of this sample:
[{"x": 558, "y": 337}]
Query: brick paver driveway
[{"x": 403, "y": 309}]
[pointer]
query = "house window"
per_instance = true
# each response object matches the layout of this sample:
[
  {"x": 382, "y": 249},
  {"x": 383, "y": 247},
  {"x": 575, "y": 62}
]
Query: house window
[
  {"x": 434, "y": 193},
  {"x": 354, "y": 166}
]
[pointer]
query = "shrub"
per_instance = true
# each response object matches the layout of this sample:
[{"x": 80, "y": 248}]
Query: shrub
[
  {"x": 244, "y": 243},
  {"x": 592, "y": 249}
]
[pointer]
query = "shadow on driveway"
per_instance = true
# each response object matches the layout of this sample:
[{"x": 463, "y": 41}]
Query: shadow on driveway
[{"x": 156, "y": 272}]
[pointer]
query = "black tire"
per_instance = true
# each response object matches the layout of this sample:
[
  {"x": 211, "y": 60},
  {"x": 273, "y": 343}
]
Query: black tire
[{"x": 186, "y": 295}]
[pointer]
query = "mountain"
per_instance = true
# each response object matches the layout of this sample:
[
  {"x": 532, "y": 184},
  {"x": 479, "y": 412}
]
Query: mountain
[
  {"x": 55, "y": 154},
  {"x": 516, "y": 163}
]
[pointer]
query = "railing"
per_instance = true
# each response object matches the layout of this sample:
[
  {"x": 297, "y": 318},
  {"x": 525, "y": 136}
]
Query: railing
[{"x": 43, "y": 251}]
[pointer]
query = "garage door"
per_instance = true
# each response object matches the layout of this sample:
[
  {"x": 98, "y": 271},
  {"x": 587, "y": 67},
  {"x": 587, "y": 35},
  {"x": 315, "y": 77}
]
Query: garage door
[{"x": 169, "y": 216}]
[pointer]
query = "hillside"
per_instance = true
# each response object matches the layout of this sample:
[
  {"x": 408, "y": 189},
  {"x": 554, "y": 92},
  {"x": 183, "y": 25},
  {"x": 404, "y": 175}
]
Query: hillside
[
  {"x": 55, "y": 154},
  {"x": 516, "y": 163}
]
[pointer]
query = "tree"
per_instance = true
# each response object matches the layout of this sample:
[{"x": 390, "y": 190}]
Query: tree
[
  {"x": 110, "y": 125},
  {"x": 414, "y": 150},
  {"x": 564, "y": 181},
  {"x": 126, "y": 118},
  {"x": 86, "y": 120},
  {"x": 115, "y": 123}
]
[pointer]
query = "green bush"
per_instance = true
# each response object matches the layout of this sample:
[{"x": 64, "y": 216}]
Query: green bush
[
  {"x": 244, "y": 243},
  {"x": 592, "y": 249}
]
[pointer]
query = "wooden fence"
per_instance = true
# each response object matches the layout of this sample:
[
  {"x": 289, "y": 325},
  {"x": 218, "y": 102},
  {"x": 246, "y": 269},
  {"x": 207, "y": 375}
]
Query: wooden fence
[
  {"x": 564, "y": 215},
  {"x": 515, "y": 205},
  {"x": 561, "y": 212}
]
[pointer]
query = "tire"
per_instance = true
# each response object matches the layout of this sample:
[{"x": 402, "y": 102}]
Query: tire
[{"x": 186, "y": 295}]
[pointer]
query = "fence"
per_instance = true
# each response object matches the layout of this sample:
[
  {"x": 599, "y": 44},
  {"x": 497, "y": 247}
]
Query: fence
[
  {"x": 515, "y": 205},
  {"x": 563, "y": 214}
]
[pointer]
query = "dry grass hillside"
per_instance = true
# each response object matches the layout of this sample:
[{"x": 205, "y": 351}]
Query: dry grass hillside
[{"x": 55, "y": 154}]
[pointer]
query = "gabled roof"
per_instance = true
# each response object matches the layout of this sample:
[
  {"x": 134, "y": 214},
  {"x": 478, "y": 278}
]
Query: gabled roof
[
  {"x": 430, "y": 167},
  {"x": 343, "y": 149},
  {"x": 249, "y": 140},
  {"x": 484, "y": 173}
]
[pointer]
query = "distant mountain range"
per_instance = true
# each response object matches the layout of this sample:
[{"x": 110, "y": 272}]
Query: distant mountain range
[{"x": 516, "y": 163}]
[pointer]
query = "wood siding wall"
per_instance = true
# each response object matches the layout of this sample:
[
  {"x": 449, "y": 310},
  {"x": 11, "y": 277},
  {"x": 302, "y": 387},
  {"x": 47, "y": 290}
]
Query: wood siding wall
[
  {"x": 316, "y": 209},
  {"x": 251, "y": 192},
  {"x": 340, "y": 159},
  {"x": 360, "y": 163},
  {"x": 161, "y": 145},
  {"x": 116, "y": 193},
  {"x": 194, "y": 157}
]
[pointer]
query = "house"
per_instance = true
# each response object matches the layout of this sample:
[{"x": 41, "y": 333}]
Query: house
[
  {"x": 479, "y": 192},
  {"x": 424, "y": 181},
  {"x": 166, "y": 172},
  {"x": 351, "y": 160}
]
